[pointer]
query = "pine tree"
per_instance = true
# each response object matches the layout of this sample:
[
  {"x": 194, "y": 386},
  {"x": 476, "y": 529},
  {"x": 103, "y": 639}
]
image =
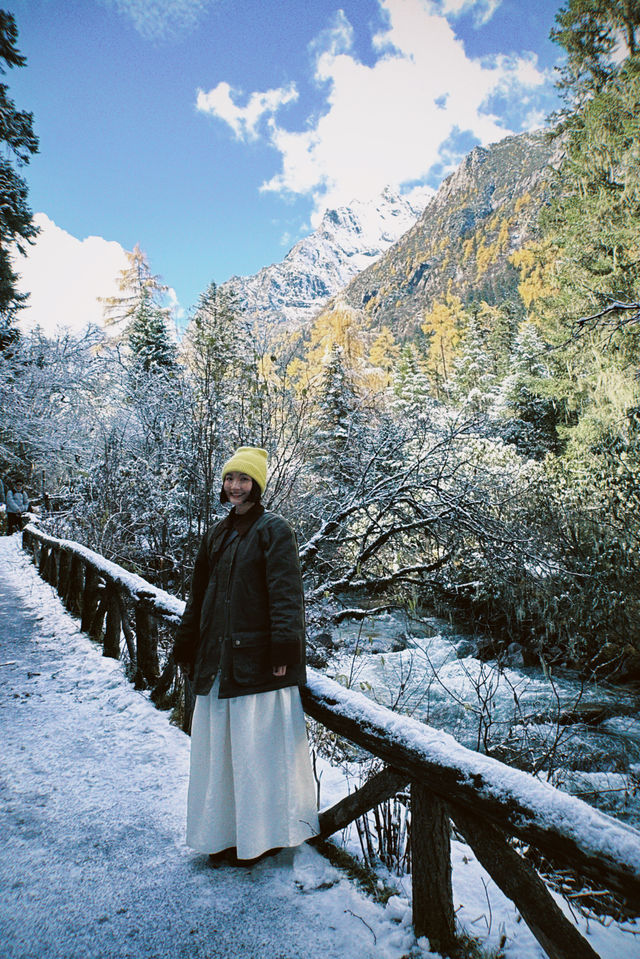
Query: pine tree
[
  {"x": 18, "y": 143},
  {"x": 220, "y": 357},
  {"x": 142, "y": 318},
  {"x": 524, "y": 397},
  {"x": 598, "y": 36},
  {"x": 412, "y": 387},
  {"x": 472, "y": 383},
  {"x": 337, "y": 443}
]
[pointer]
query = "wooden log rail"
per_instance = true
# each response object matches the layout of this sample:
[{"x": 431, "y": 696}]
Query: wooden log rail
[
  {"x": 486, "y": 799},
  {"x": 117, "y": 608}
]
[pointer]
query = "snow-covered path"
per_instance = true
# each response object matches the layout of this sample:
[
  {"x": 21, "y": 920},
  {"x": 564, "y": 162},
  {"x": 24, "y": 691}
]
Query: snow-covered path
[{"x": 92, "y": 795}]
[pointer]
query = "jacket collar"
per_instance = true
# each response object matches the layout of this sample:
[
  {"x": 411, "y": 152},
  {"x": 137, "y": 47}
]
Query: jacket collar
[{"x": 242, "y": 524}]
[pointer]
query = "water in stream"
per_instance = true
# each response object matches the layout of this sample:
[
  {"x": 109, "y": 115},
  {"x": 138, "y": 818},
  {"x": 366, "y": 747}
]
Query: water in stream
[{"x": 520, "y": 714}]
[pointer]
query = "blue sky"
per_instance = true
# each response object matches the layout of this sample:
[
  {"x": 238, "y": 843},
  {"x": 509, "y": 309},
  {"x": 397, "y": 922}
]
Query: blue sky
[{"x": 214, "y": 132}]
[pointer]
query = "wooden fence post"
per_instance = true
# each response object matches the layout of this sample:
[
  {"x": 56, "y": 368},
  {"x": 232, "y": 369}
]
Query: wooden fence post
[
  {"x": 129, "y": 636},
  {"x": 519, "y": 881},
  {"x": 146, "y": 641},
  {"x": 97, "y": 623},
  {"x": 90, "y": 596},
  {"x": 36, "y": 549},
  {"x": 51, "y": 569},
  {"x": 64, "y": 567},
  {"x": 75, "y": 586},
  {"x": 114, "y": 623},
  {"x": 433, "y": 914},
  {"x": 43, "y": 560}
]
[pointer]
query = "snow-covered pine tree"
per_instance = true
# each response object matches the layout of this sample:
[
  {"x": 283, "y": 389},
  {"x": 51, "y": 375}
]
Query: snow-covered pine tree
[
  {"x": 472, "y": 384},
  {"x": 141, "y": 318},
  {"x": 523, "y": 397},
  {"x": 412, "y": 391},
  {"x": 220, "y": 357},
  {"x": 18, "y": 143},
  {"x": 337, "y": 445}
]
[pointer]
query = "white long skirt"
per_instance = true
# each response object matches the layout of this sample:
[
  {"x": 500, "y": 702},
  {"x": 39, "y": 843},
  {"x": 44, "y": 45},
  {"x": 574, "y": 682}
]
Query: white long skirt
[{"x": 250, "y": 783}]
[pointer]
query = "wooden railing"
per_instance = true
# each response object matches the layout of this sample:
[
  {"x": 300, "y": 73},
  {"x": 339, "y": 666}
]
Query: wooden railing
[{"x": 487, "y": 800}]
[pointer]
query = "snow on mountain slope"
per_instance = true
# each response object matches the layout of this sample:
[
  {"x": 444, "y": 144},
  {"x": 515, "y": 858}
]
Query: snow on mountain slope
[{"x": 347, "y": 241}]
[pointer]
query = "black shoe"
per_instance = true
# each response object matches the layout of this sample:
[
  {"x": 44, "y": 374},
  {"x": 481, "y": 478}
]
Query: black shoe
[
  {"x": 246, "y": 863},
  {"x": 225, "y": 855}
]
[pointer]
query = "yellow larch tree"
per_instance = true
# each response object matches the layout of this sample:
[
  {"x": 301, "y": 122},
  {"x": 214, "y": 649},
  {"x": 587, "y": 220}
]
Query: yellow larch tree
[
  {"x": 383, "y": 356},
  {"x": 443, "y": 325}
]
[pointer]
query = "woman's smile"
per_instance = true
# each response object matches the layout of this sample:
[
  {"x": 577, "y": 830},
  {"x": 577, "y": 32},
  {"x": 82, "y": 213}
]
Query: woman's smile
[{"x": 238, "y": 487}]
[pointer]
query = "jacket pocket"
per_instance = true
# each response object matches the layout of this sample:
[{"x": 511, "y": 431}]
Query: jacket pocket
[{"x": 250, "y": 658}]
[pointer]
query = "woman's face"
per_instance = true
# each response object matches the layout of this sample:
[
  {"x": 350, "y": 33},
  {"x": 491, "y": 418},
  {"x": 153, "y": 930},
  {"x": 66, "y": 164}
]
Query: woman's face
[{"x": 237, "y": 486}]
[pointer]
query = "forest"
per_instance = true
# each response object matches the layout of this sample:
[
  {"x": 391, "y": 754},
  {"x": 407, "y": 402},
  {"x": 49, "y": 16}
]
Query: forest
[{"x": 483, "y": 469}]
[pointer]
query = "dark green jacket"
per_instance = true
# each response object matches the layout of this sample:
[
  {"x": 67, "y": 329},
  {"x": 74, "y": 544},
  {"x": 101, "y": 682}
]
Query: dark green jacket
[{"x": 245, "y": 613}]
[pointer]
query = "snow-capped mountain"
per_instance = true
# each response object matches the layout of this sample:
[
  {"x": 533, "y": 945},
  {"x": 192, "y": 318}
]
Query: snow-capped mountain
[
  {"x": 463, "y": 241},
  {"x": 348, "y": 240}
]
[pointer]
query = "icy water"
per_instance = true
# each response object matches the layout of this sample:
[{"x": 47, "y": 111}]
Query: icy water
[{"x": 516, "y": 713}]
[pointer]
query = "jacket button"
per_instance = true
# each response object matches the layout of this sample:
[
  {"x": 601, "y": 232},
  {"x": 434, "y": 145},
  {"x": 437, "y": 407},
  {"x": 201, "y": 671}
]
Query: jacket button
[{"x": 236, "y": 642}]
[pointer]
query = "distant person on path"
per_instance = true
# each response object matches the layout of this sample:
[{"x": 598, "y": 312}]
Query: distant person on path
[
  {"x": 17, "y": 504},
  {"x": 242, "y": 642}
]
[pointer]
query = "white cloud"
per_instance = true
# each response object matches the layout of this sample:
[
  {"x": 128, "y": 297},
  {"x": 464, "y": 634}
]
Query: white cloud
[
  {"x": 386, "y": 123},
  {"x": 482, "y": 10},
  {"x": 244, "y": 121},
  {"x": 64, "y": 277},
  {"x": 157, "y": 19}
]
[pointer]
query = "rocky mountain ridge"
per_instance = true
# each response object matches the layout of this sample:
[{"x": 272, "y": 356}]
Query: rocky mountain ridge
[
  {"x": 348, "y": 240},
  {"x": 462, "y": 242}
]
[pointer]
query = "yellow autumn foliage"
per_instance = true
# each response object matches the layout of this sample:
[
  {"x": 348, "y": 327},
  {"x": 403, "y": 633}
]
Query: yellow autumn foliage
[
  {"x": 444, "y": 325},
  {"x": 536, "y": 263},
  {"x": 340, "y": 326}
]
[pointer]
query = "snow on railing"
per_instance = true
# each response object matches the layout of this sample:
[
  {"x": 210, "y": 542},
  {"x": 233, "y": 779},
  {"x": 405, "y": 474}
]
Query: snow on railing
[{"x": 488, "y": 800}]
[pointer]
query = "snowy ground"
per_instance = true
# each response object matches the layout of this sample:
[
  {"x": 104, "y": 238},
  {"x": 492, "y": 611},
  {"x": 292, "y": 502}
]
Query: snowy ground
[{"x": 93, "y": 862}]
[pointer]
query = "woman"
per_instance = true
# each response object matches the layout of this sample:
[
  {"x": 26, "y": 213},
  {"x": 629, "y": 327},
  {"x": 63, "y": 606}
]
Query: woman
[{"x": 241, "y": 641}]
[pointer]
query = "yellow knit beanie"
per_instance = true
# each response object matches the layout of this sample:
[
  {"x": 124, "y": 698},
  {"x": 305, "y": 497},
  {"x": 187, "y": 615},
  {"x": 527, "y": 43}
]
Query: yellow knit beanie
[{"x": 250, "y": 460}]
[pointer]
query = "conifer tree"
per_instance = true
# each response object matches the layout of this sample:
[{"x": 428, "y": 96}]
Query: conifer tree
[
  {"x": 412, "y": 387},
  {"x": 337, "y": 442},
  {"x": 598, "y": 36},
  {"x": 219, "y": 354},
  {"x": 141, "y": 317},
  {"x": 524, "y": 396},
  {"x": 582, "y": 280},
  {"x": 473, "y": 383},
  {"x": 443, "y": 325},
  {"x": 18, "y": 143}
]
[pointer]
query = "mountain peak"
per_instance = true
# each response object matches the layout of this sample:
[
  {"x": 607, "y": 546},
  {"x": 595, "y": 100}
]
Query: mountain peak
[{"x": 348, "y": 239}]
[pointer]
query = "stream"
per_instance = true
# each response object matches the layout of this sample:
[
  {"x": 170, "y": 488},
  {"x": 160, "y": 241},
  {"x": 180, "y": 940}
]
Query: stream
[{"x": 545, "y": 723}]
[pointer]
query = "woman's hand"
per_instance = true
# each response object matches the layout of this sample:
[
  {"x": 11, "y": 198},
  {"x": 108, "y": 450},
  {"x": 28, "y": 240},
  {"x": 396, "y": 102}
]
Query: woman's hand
[{"x": 279, "y": 670}]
